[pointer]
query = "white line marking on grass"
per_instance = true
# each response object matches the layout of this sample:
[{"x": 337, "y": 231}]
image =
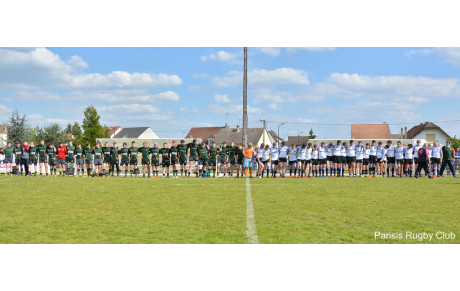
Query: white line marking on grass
[
  {"x": 1, "y": 180},
  {"x": 251, "y": 220}
]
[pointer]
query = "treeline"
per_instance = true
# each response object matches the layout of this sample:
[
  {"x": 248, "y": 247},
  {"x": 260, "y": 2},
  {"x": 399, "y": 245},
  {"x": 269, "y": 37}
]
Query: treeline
[{"x": 19, "y": 129}]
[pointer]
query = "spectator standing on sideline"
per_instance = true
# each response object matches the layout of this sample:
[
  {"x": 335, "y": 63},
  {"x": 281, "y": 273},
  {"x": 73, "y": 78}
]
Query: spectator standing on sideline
[
  {"x": 447, "y": 156},
  {"x": 25, "y": 156}
]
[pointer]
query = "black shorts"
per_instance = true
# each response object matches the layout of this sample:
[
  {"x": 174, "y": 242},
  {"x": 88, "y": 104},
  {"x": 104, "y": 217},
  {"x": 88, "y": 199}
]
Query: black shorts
[
  {"x": 380, "y": 160},
  {"x": 193, "y": 159},
  {"x": 107, "y": 160},
  {"x": 338, "y": 159},
  {"x": 145, "y": 162},
  {"x": 416, "y": 160},
  {"x": 212, "y": 162},
  {"x": 400, "y": 161},
  {"x": 408, "y": 161},
  {"x": 155, "y": 163},
  {"x": 43, "y": 160},
  {"x": 315, "y": 162},
  {"x": 275, "y": 162},
  {"x": 232, "y": 161},
  {"x": 307, "y": 161},
  {"x": 366, "y": 162},
  {"x": 33, "y": 162},
  {"x": 266, "y": 162},
  {"x": 134, "y": 163},
  {"x": 18, "y": 162},
  {"x": 359, "y": 161},
  {"x": 183, "y": 162},
  {"x": 88, "y": 161},
  {"x": 165, "y": 164},
  {"x": 372, "y": 159},
  {"x": 283, "y": 160},
  {"x": 240, "y": 161},
  {"x": 330, "y": 158},
  {"x": 52, "y": 162},
  {"x": 391, "y": 160},
  {"x": 124, "y": 162},
  {"x": 322, "y": 161},
  {"x": 175, "y": 162},
  {"x": 223, "y": 161},
  {"x": 203, "y": 162},
  {"x": 351, "y": 160},
  {"x": 435, "y": 160},
  {"x": 292, "y": 163},
  {"x": 70, "y": 160}
]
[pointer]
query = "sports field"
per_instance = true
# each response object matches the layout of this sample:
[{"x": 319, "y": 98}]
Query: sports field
[{"x": 137, "y": 210}]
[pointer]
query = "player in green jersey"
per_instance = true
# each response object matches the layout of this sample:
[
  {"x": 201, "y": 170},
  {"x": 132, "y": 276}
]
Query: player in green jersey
[
  {"x": 106, "y": 163},
  {"x": 18, "y": 158},
  {"x": 193, "y": 156},
  {"x": 155, "y": 151},
  {"x": 203, "y": 159},
  {"x": 165, "y": 159},
  {"x": 51, "y": 153},
  {"x": 33, "y": 151},
  {"x": 98, "y": 157},
  {"x": 224, "y": 157},
  {"x": 42, "y": 158},
  {"x": 79, "y": 159},
  {"x": 88, "y": 155},
  {"x": 144, "y": 150},
  {"x": 239, "y": 160},
  {"x": 174, "y": 154},
  {"x": 114, "y": 151},
  {"x": 214, "y": 155},
  {"x": 9, "y": 152},
  {"x": 70, "y": 159},
  {"x": 183, "y": 158},
  {"x": 133, "y": 159},
  {"x": 231, "y": 158},
  {"x": 124, "y": 156}
]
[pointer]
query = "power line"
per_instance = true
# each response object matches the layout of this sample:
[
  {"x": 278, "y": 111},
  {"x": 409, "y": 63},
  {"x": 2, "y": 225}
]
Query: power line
[{"x": 347, "y": 124}]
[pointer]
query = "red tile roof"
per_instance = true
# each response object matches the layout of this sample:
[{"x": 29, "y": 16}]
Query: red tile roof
[
  {"x": 414, "y": 131},
  {"x": 112, "y": 129},
  {"x": 370, "y": 131},
  {"x": 203, "y": 132}
]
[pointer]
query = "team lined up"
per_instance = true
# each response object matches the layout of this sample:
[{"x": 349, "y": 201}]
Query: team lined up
[{"x": 307, "y": 160}]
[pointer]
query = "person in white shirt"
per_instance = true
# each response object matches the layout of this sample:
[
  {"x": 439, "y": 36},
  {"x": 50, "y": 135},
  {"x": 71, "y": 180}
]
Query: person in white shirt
[
  {"x": 436, "y": 158},
  {"x": 399, "y": 158},
  {"x": 283, "y": 154},
  {"x": 260, "y": 165},
  {"x": 337, "y": 153},
  {"x": 366, "y": 157},
  {"x": 274, "y": 159},
  {"x": 408, "y": 160},
  {"x": 265, "y": 160},
  {"x": 301, "y": 158},
  {"x": 330, "y": 159},
  {"x": 380, "y": 159},
  {"x": 373, "y": 158},
  {"x": 308, "y": 160},
  {"x": 390, "y": 158},
  {"x": 351, "y": 159},
  {"x": 322, "y": 158},
  {"x": 292, "y": 153},
  {"x": 314, "y": 160},
  {"x": 417, "y": 146},
  {"x": 359, "y": 151}
]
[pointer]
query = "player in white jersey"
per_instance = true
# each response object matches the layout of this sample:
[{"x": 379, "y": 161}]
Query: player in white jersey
[
  {"x": 322, "y": 158},
  {"x": 308, "y": 160},
  {"x": 408, "y": 160},
  {"x": 390, "y": 158},
  {"x": 436, "y": 159},
  {"x": 260, "y": 165},
  {"x": 314, "y": 161},
  {"x": 351, "y": 159},
  {"x": 338, "y": 162},
  {"x": 265, "y": 160},
  {"x": 380, "y": 162},
  {"x": 292, "y": 156},
  {"x": 301, "y": 157},
  {"x": 274, "y": 159},
  {"x": 344, "y": 159},
  {"x": 417, "y": 147},
  {"x": 366, "y": 155},
  {"x": 359, "y": 151},
  {"x": 330, "y": 159},
  {"x": 283, "y": 154},
  {"x": 373, "y": 158},
  {"x": 399, "y": 157}
]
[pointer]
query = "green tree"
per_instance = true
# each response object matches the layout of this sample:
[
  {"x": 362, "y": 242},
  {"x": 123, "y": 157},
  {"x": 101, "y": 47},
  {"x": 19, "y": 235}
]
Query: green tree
[
  {"x": 92, "y": 127},
  {"x": 311, "y": 134},
  {"x": 54, "y": 133},
  {"x": 455, "y": 142},
  {"x": 77, "y": 133},
  {"x": 68, "y": 128},
  {"x": 17, "y": 127},
  {"x": 36, "y": 134}
]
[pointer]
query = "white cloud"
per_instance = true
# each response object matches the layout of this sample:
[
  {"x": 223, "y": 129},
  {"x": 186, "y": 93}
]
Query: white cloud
[
  {"x": 35, "y": 116},
  {"x": 307, "y": 120},
  {"x": 311, "y": 49},
  {"x": 262, "y": 78},
  {"x": 271, "y": 51},
  {"x": 274, "y": 106},
  {"x": 221, "y": 98},
  {"x": 418, "y": 99},
  {"x": 57, "y": 120},
  {"x": 132, "y": 112},
  {"x": 233, "y": 108},
  {"x": 138, "y": 95},
  {"x": 451, "y": 54},
  {"x": 42, "y": 68},
  {"x": 269, "y": 95},
  {"x": 4, "y": 112},
  {"x": 129, "y": 109},
  {"x": 221, "y": 56}
]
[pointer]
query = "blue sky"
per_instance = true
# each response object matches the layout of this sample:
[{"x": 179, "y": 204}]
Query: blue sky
[{"x": 173, "y": 89}]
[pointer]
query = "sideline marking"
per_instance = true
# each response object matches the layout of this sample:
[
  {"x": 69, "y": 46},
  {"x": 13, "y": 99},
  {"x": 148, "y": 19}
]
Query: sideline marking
[{"x": 251, "y": 221}]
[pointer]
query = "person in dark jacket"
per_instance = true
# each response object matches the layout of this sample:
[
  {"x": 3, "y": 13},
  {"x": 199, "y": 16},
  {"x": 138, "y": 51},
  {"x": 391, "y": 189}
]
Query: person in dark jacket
[
  {"x": 423, "y": 162},
  {"x": 447, "y": 157},
  {"x": 26, "y": 156}
]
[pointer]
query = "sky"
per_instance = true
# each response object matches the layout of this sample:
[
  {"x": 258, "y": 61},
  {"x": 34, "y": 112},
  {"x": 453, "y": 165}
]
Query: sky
[{"x": 174, "y": 89}]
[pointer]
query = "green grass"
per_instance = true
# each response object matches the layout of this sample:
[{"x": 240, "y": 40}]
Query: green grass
[{"x": 106, "y": 210}]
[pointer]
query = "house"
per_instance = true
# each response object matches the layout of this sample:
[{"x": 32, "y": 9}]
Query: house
[
  {"x": 3, "y": 135},
  {"x": 136, "y": 133},
  {"x": 371, "y": 131},
  {"x": 206, "y": 134},
  {"x": 276, "y": 137},
  {"x": 113, "y": 130},
  {"x": 428, "y": 131},
  {"x": 297, "y": 140},
  {"x": 256, "y": 136}
]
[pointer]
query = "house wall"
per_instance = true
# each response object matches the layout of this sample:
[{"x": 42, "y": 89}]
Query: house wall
[
  {"x": 140, "y": 141},
  {"x": 268, "y": 138},
  {"x": 149, "y": 134},
  {"x": 439, "y": 136},
  {"x": 116, "y": 132},
  {"x": 3, "y": 139},
  {"x": 364, "y": 141}
]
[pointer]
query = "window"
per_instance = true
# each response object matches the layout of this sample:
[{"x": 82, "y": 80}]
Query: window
[
  {"x": 210, "y": 141},
  {"x": 430, "y": 137}
]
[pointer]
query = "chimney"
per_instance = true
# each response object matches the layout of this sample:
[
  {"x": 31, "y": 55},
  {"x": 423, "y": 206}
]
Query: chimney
[
  {"x": 405, "y": 132},
  {"x": 401, "y": 132},
  {"x": 238, "y": 128}
]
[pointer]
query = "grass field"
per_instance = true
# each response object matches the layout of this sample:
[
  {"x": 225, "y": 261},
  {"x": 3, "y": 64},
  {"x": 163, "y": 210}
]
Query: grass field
[{"x": 332, "y": 210}]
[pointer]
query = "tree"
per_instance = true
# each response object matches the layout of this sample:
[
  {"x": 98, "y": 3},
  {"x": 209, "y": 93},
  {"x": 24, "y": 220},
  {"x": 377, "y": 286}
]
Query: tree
[
  {"x": 312, "y": 135},
  {"x": 54, "y": 133},
  {"x": 92, "y": 127},
  {"x": 17, "y": 127},
  {"x": 77, "y": 133},
  {"x": 68, "y": 128},
  {"x": 455, "y": 142}
]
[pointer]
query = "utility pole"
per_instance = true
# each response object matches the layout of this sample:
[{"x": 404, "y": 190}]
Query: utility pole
[
  {"x": 245, "y": 98},
  {"x": 265, "y": 128}
]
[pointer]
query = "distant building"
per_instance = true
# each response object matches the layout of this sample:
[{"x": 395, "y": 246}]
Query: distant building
[
  {"x": 206, "y": 134},
  {"x": 276, "y": 137},
  {"x": 136, "y": 133},
  {"x": 429, "y": 132},
  {"x": 3, "y": 135},
  {"x": 113, "y": 130},
  {"x": 297, "y": 140},
  {"x": 371, "y": 131},
  {"x": 255, "y": 136}
]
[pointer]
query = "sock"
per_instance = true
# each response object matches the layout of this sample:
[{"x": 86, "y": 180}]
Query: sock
[
  {"x": 392, "y": 171},
  {"x": 250, "y": 171},
  {"x": 118, "y": 173},
  {"x": 131, "y": 172},
  {"x": 89, "y": 172}
]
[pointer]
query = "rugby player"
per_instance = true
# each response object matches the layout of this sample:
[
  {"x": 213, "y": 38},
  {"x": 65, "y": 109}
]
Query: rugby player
[
  {"x": 214, "y": 155},
  {"x": 106, "y": 163},
  {"x": 144, "y": 150},
  {"x": 51, "y": 153},
  {"x": 359, "y": 150},
  {"x": 231, "y": 158},
  {"x": 391, "y": 159},
  {"x": 224, "y": 152},
  {"x": 33, "y": 150},
  {"x": 98, "y": 158},
  {"x": 430, "y": 154},
  {"x": 399, "y": 158},
  {"x": 79, "y": 160},
  {"x": 366, "y": 162},
  {"x": 380, "y": 154},
  {"x": 351, "y": 159},
  {"x": 155, "y": 151},
  {"x": 70, "y": 159},
  {"x": 283, "y": 154},
  {"x": 42, "y": 158},
  {"x": 165, "y": 159},
  {"x": 133, "y": 159},
  {"x": 436, "y": 159},
  {"x": 337, "y": 152},
  {"x": 88, "y": 155},
  {"x": 301, "y": 160},
  {"x": 240, "y": 160},
  {"x": 9, "y": 152},
  {"x": 408, "y": 160},
  {"x": 274, "y": 159},
  {"x": 174, "y": 154},
  {"x": 114, "y": 165},
  {"x": 330, "y": 159},
  {"x": 322, "y": 159},
  {"x": 258, "y": 160},
  {"x": 314, "y": 160},
  {"x": 266, "y": 160},
  {"x": 203, "y": 157},
  {"x": 417, "y": 146},
  {"x": 193, "y": 156},
  {"x": 373, "y": 158},
  {"x": 124, "y": 153},
  {"x": 18, "y": 158},
  {"x": 248, "y": 153},
  {"x": 62, "y": 156},
  {"x": 183, "y": 158}
]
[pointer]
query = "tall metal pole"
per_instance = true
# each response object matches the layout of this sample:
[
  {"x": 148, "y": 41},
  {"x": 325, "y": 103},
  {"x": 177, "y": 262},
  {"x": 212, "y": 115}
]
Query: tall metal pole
[
  {"x": 245, "y": 98},
  {"x": 279, "y": 132}
]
